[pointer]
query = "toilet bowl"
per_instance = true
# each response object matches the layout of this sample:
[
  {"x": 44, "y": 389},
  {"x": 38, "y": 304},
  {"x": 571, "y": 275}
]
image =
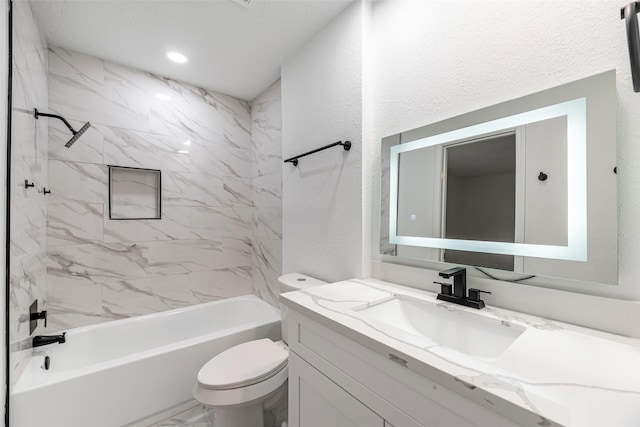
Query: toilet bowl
[{"x": 244, "y": 380}]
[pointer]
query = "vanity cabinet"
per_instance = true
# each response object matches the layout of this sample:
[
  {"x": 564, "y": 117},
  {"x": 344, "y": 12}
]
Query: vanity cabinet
[
  {"x": 335, "y": 381},
  {"x": 321, "y": 402}
]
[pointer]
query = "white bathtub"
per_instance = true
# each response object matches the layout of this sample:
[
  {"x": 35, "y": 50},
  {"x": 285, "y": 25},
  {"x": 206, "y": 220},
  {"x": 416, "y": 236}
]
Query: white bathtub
[{"x": 136, "y": 371}]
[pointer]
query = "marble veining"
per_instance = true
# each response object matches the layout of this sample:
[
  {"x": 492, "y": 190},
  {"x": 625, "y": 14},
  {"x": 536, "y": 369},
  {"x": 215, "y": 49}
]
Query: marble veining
[
  {"x": 198, "y": 416},
  {"x": 175, "y": 225},
  {"x": 220, "y": 159},
  {"x": 538, "y": 373},
  {"x": 28, "y": 224},
  {"x": 191, "y": 189},
  {"x": 80, "y": 182},
  {"x": 266, "y": 192},
  {"x": 136, "y": 149},
  {"x": 70, "y": 222},
  {"x": 200, "y": 250},
  {"x": 83, "y": 101}
]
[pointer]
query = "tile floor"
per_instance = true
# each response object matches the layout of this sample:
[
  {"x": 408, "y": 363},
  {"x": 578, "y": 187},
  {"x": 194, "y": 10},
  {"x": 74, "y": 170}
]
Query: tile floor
[{"x": 198, "y": 416}]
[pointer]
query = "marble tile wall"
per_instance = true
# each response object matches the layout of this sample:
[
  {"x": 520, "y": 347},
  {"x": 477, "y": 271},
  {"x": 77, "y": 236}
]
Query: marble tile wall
[
  {"x": 201, "y": 250},
  {"x": 266, "y": 183},
  {"x": 28, "y": 206}
]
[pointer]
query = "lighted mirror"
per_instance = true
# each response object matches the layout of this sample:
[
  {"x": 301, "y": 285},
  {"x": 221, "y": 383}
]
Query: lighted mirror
[{"x": 526, "y": 186}]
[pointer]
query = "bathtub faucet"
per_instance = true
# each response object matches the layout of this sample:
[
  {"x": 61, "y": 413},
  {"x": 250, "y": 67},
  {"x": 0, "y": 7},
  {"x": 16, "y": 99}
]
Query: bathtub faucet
[{"x": 40, "y": 340}]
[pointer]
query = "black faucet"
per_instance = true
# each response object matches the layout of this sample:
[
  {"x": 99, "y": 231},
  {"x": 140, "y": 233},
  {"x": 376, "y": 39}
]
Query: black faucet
[
  {"x": 459, "y": 294},
  {"x": 40, "y": 340}
]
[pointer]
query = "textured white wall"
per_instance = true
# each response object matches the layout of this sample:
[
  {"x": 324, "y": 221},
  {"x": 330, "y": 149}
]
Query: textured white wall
[
  {"x": 323, "y": 197},
  {"x": 435, "y": 60}
]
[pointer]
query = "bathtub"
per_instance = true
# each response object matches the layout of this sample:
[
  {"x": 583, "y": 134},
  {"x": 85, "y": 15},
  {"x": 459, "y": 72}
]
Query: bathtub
[{"x": 137, "y": 371}]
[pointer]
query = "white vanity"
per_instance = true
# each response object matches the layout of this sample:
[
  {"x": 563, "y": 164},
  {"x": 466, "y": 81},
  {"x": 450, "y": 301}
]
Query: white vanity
[{"x": 371, "y": 353}]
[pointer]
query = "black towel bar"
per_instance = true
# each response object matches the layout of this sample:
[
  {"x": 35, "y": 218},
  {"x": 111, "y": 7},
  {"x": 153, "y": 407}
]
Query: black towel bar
[{"x": 346, "y": 145}]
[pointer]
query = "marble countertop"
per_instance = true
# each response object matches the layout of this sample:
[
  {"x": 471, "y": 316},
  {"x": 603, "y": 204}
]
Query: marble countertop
[{"x": 554, "y": 374}]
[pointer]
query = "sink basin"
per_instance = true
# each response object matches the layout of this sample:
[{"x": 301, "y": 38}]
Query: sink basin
[{"x": 424, "y": 323}]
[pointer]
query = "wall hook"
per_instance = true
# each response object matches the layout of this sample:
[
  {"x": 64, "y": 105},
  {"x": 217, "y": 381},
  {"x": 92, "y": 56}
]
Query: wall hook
[
  {"x": 542, "y": 176},
  {"x": 45, "y": 191},
  {"x": 27, "y": 185}
]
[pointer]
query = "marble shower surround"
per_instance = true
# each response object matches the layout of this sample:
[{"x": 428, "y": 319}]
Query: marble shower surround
[
  {"x": 266, "y": 185},
  {"x": 99, "y": 270},
  {"x": 28, "y": 161}
]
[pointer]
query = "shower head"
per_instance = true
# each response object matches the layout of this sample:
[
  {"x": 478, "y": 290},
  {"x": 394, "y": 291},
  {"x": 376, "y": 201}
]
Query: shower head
[{"x": 77, "y": 134}]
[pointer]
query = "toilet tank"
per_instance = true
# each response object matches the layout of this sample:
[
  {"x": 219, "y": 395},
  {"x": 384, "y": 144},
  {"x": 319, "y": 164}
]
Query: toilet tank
[{"x": 294, "y": 282}]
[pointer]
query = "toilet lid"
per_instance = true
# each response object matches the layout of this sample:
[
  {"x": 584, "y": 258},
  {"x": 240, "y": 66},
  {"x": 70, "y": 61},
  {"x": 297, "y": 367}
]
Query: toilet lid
[{"x": 243, "y": 365}]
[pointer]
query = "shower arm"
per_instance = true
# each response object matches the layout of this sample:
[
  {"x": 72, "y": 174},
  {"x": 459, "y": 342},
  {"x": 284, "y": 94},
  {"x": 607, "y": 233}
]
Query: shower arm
[{"x": 55, "y": 116}]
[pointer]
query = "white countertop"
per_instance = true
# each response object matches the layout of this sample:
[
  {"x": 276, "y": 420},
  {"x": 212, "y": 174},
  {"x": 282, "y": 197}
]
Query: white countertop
[{"x": 554, "y": 374}]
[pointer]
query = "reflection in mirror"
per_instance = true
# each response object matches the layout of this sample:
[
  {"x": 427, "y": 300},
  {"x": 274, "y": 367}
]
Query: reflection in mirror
[
  {"x": 480, "y": 194},
  {"x": 506, "y": 187}
]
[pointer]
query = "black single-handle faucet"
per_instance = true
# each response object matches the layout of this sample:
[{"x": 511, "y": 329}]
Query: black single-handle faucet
[
  {"x": 40, "y": 340},
  {"x": 459, "y": 275},
  {"x": 459, "y": 294}
]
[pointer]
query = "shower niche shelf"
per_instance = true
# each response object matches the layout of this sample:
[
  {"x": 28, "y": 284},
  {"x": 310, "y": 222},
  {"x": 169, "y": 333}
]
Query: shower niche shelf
[{"x": 134, "y": 193}]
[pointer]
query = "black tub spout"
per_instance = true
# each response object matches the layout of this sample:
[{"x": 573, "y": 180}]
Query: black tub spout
[{"x": 40, "y": 340}]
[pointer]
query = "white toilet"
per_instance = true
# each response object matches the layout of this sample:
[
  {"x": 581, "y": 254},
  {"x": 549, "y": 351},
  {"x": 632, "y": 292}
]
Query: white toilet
[{"x": 241, "y": 382}]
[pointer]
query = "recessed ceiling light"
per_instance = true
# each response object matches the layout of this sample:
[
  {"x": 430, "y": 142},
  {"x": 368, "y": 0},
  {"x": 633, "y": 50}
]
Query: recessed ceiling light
[
  {"x": 187, "y": 142},
  {"x": 177, "y": 57},
  {"x": 163, "y": 96},
  {"x": 183, "y": 151}
]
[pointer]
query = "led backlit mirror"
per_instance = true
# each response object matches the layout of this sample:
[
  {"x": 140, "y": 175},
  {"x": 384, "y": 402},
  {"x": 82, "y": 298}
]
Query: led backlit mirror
[{"x": 526, "y": 186}]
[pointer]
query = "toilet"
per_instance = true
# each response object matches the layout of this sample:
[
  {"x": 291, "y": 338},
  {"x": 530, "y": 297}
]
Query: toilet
[{"x": 243, "y": 381}]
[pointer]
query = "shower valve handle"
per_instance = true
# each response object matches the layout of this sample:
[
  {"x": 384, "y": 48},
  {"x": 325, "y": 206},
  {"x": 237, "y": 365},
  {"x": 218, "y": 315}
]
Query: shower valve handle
[{"x": 40, "y": 315}]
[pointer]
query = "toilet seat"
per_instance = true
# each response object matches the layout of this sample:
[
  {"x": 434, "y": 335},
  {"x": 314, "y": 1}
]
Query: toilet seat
[
  {"x": 243, "y": 365},
  {"x": 243, "y": 374},
  {"x": 242, "y": 396}
]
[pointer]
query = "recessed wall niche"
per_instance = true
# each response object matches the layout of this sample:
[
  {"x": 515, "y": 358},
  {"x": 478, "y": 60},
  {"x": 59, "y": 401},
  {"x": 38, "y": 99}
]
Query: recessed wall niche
[{"x": 134, "y": 193}]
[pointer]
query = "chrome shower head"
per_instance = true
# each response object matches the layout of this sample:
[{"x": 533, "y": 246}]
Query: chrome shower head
[{"x": 78, "y": 134}]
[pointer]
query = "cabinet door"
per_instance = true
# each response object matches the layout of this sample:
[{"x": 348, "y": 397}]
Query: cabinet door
[{"x": 316, "y": 401}]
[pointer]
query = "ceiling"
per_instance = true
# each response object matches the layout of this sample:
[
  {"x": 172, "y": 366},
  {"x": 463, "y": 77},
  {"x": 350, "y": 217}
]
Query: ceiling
[{"x": 231, "y": 49}]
